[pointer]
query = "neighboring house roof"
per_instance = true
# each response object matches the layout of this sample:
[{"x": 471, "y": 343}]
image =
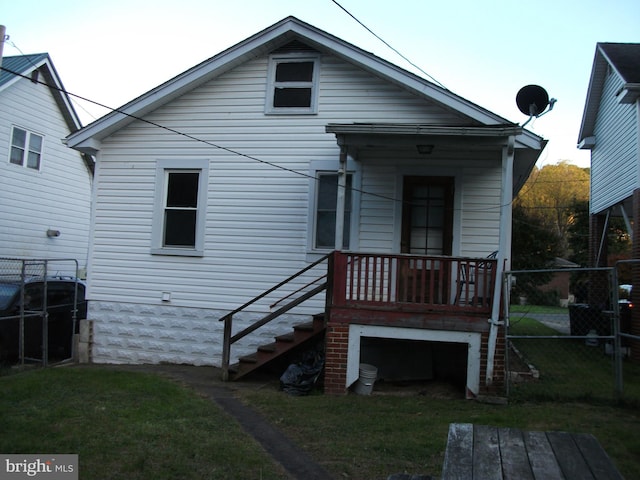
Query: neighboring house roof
[
  {"x": 18, "y": 67},
  {"x": 264, "y": 42},
  {"x": 624, "y": 60}
]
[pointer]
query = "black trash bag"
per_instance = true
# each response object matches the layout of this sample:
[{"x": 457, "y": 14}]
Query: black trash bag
[{"x": 300, "y": 378}]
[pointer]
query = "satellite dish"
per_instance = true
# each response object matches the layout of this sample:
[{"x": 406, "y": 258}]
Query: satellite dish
[{"x": 532, "y": 100}]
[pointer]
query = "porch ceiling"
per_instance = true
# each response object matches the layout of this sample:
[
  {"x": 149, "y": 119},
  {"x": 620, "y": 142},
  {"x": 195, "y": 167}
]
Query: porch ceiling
[{"x": 355, "y": 136}]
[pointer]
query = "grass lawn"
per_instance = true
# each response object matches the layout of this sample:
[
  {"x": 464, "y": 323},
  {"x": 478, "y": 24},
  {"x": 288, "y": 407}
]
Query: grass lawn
[
  {"x": 141, "y": 426},
  {"x": 126, "y": 426},
  {"x": 370, "y": 437},
  {"x": 569, "y": 369},
  {"x": 537, "y": 309}
]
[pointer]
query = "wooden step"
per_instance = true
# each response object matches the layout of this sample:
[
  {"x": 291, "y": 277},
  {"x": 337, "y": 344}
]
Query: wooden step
[{"x": 284, "y": 343}]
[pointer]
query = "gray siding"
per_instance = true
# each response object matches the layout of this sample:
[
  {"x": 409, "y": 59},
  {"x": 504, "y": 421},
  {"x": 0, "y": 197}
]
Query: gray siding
[{"x": 614, "y": 160}]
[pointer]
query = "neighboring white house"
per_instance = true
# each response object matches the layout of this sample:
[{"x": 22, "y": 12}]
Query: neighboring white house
[
  {"x": 232, "y": 176},
  {"x": 45, "y": 187},
  {"x": 611, "y": 130},
  {"x": 610, "y": 127}
]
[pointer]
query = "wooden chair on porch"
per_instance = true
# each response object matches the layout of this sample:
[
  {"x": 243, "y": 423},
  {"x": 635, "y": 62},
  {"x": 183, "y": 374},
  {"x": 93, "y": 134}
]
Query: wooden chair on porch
[{"x": 472, "y": 281}]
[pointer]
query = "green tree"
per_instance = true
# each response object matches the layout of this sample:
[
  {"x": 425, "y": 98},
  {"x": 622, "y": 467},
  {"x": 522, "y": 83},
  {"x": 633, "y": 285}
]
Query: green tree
[
  {"x": 534, "y": 244},
  {"x": 551, "y": 194},
  {"x": 534, "y": 247}
]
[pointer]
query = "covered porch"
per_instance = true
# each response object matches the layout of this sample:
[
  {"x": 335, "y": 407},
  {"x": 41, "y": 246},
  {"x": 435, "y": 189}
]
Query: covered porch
[{"x": 419, "y": 221}]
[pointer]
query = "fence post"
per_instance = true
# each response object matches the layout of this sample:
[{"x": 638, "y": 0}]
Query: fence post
[
  {"x": 617, "y": 343},
  {"x": 226, "y": 347}
]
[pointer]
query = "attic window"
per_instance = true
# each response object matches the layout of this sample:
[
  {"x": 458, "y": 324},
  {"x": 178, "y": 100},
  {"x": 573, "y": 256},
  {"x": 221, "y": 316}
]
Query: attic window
[{"x": 292, "y": 84}]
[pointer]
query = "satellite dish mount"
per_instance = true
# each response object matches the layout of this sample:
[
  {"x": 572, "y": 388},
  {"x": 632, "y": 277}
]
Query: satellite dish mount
[{"x": 533, "y": 100}]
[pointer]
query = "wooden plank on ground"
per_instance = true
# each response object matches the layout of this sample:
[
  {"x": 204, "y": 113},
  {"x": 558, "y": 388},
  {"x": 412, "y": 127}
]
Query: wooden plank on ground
[
  {"x": 515, "y": 462},
  {"x": 458, "y": 457},
  {"x": 570, "y": 459},
  {"x": 541, "y": 457},
  {"x": 599, "y": 462},
  {"x": 486, "y": 453}
]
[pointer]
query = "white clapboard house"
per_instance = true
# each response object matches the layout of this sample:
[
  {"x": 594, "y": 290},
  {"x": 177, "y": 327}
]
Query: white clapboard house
[
  {"x": 375, "y": 201},
  {"x": 45, "y": 187},
  {"x": 610, "y": 129}
]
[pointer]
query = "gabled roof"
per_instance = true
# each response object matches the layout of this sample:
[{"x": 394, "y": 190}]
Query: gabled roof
[
  {"x": 624, "y": 60},
  {"x": 287, "y": 30},
  {"x": 17, "y": 67}
]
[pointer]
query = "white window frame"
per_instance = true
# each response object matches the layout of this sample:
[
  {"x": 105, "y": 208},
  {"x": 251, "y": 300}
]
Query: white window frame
[
  {"x": 163, "y": 169},
  {"x": 274, "y": 60},
  {"x": 26, "y": 150},
  {"x": 331, "y": 167}
]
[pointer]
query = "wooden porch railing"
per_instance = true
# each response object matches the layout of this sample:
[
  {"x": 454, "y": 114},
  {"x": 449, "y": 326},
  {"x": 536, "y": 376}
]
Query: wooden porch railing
[{"x": 408, "y": 282}]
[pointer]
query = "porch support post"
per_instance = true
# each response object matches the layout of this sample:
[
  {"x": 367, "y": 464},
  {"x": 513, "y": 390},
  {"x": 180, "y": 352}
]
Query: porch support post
[
  {"x": 341, "y": 198},
  {"x": 504, "y": 252}
]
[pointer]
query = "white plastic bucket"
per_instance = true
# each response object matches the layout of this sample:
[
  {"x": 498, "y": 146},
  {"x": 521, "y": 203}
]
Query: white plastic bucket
[{"x": 368, "y": 375}]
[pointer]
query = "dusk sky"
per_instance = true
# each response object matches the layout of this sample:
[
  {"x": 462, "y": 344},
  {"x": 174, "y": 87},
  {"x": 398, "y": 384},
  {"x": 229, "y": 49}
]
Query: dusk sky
[{"x": 111, "y": 52}]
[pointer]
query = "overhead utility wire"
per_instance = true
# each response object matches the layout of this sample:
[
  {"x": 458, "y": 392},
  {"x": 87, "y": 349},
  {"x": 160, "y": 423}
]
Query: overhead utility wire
[
  {"x": 220, "y": 147},
  {"x": 388, "y": 45},
  {"x": 191, "y": 137}
]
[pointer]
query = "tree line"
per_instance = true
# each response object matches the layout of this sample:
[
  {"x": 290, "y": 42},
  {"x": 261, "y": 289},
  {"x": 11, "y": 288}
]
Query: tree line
[{"x": 551, "y": 220}]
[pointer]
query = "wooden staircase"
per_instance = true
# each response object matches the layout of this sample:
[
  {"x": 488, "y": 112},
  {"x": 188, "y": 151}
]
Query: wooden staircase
[{"x": 301, "y": 333}]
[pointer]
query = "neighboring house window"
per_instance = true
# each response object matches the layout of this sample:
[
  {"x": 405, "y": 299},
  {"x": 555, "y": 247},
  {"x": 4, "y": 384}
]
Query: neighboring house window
[
  {"x": 293, "y": 84},
  {"x": 325, "y": 214},
  {"x": 179, "y": 216},
  {"x": 26, "y": 148}
]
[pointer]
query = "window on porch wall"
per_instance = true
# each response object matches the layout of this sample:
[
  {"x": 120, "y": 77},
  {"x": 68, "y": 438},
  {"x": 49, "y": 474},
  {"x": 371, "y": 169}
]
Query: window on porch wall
[{"x": 326, "y": 203}]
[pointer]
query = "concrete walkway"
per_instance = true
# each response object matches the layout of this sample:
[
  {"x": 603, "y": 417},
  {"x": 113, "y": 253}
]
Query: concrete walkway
[{"x": 207, "y": 382}]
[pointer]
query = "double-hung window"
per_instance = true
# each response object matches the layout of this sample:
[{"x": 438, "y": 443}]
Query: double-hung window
[
  {"x": 26, "y": 148},
  {"x": 326, "y": 207},
  {"x": 293, "y": 84},
  {"x": 179, "y": 215}
]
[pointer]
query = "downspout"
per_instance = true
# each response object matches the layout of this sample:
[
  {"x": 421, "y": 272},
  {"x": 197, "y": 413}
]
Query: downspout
[
  {"x": 340, "y": 199},
  {"x": 504, "y": 251}
]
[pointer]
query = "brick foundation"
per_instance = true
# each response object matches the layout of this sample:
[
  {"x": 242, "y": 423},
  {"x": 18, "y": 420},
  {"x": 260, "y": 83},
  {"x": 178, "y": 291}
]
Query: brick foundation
[
  {"x": 337, "y": 344},
  {"x": 335, "y": 371}
]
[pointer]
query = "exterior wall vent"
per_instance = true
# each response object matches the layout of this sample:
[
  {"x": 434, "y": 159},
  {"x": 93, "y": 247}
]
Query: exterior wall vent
[{"x": 294, "y": 46}]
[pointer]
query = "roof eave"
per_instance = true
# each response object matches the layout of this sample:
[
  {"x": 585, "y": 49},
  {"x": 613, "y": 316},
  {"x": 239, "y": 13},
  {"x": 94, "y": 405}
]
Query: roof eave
[
  {"x": 261, "y": 43},
  {"x": 630, "y": 93},
  {"x": 594, "y": 93}
]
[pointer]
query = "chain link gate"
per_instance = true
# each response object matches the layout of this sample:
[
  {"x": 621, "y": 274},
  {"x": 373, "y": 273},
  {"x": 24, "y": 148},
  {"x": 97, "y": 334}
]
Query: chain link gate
[
  {"x": 30, "y": 295},
  {"x": 568, "y": 336}
]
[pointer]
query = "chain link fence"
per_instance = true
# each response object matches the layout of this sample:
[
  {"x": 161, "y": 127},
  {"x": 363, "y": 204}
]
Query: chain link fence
[
  {"x": 570, "y": 335},
  {"x": 41, "y": 302}
]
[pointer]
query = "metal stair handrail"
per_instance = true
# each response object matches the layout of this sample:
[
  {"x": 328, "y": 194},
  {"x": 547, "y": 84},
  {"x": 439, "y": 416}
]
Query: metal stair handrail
[{"x": 228, "y": 318}]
